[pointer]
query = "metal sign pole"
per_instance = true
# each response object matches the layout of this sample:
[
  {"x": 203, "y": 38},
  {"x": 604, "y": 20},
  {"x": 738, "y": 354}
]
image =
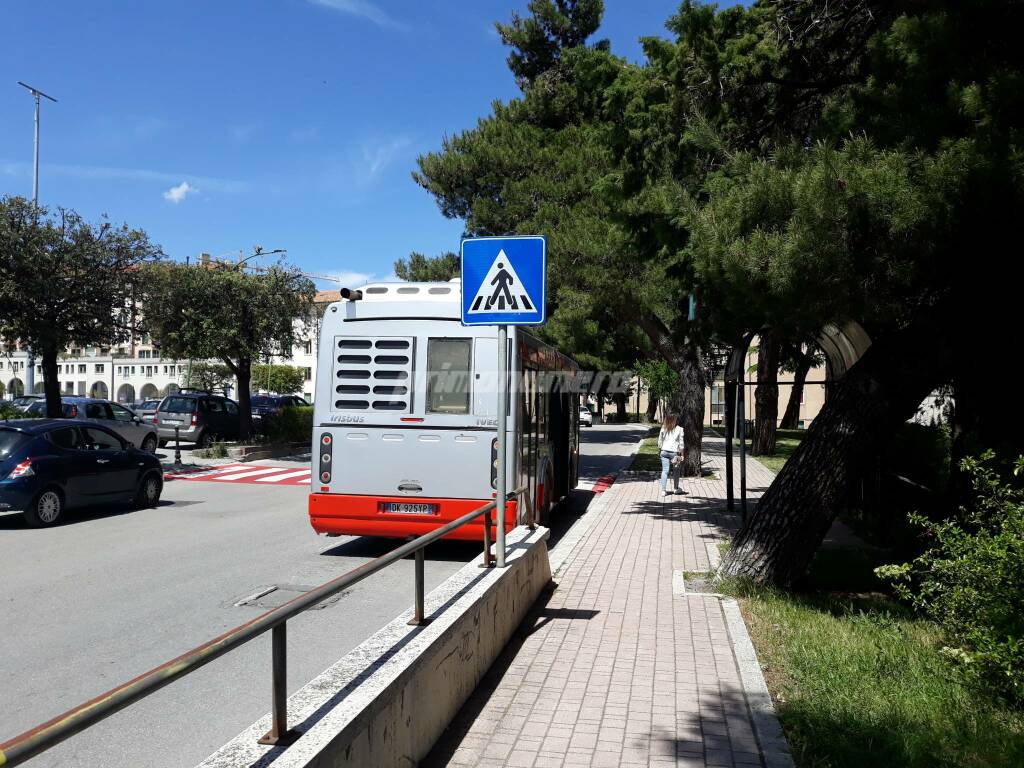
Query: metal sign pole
[{"x": 502, "y": 429}]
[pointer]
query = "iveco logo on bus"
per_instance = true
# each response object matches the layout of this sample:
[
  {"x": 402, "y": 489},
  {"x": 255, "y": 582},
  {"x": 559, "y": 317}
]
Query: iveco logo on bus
[
  {"x": 487, "y": 422},
  {"x": 348, "y": 419}
]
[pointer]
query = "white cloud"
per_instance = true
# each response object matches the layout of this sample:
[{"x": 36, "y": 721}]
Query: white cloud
[
  {"x": 109, "y": 173},
  {"x": 178, "y": 193},
  {"x": 361, "y": 8},
  {"x": 378, "y": 155},
  {"x": 350, "y": 279}
]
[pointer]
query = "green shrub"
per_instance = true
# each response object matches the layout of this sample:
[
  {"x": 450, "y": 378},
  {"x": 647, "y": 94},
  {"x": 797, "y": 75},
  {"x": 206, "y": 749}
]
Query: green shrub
[
  {"x": 292, "y": 425},
  {"x": 970, "y": 580}
]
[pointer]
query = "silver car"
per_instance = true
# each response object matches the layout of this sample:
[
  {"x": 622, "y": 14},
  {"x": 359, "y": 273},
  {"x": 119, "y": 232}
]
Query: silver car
[{"x": 114, "y": 416}]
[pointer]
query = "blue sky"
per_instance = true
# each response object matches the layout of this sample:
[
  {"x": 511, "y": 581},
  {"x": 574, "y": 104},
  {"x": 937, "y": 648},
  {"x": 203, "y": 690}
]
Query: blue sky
[{"x": 291, "y": 124}]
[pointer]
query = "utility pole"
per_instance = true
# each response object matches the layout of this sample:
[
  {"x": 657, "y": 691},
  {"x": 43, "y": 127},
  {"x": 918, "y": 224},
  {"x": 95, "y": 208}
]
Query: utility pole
[{"x": 30, "y": 372}]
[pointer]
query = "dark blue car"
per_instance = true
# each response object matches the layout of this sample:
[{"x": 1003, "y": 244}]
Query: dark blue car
[{"x": 50, "y": 465}]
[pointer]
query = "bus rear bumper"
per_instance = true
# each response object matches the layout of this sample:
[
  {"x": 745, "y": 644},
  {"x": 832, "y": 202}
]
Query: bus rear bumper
[{"x": 364, "y": 516}]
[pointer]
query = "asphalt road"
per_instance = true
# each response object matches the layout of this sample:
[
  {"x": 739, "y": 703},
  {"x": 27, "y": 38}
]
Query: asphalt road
[{"x": 112, "y": 593}]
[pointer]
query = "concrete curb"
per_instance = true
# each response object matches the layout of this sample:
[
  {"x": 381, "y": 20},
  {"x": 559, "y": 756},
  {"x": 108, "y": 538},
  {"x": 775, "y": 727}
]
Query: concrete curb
[{"x": 767, "y": 729}]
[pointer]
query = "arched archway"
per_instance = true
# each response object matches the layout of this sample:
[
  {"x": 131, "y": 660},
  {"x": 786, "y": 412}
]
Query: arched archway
[
  {"x": 170, "y": 389},
  {"x": 842, "y": 346},
  {"x": 125, "y": 393},
  {"x": 39, "y": 388},
  {"x": 99, "y": 390},
  {"x": 16, "y": 388},
  {"x": 149, "y": 391}
]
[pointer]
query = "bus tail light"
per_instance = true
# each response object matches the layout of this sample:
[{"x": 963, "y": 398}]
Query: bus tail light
[
  {"x": 494, "y": 464},
  {"x": 326, "y": 457}
]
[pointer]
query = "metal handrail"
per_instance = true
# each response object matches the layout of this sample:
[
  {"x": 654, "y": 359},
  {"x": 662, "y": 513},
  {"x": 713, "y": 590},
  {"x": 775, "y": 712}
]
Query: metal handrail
[{"x": 36, "y": 740}]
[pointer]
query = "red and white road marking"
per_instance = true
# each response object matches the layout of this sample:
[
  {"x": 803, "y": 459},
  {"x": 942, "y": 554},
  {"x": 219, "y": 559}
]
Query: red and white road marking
[{"x": 245, "y": 473}]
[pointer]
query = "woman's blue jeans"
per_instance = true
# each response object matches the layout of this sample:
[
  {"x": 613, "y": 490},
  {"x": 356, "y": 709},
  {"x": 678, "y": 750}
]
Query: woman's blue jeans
[{"x": 666, "y": 467}]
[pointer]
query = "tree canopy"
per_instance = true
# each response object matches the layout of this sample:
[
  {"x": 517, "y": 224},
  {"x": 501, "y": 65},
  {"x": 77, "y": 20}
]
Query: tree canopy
[
  {"x": 427, "y": 269},
  {"x": 65, "y": 282},
  {"x": 223, "y": 312},
  {"x": 792, "y": 165}
]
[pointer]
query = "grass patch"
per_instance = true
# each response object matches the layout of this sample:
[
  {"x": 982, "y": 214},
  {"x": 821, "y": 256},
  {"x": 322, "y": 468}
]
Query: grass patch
[
  {"x": 859, "y": 682},
  {"x": 785, "y": 442},
  {"x": 218, "y": 450},
  {"x": 647, "y": 459}
]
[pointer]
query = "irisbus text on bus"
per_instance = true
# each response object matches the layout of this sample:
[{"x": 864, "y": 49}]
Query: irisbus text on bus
[{"x": 405, "y": 417}]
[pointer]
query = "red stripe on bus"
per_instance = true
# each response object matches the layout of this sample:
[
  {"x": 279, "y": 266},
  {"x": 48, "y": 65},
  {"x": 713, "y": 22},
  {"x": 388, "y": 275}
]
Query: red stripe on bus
[{"x": 362, "y": 516}]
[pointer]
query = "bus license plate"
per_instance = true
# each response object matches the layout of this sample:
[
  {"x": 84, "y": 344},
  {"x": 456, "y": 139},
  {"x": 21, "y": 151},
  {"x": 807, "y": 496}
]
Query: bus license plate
[{"x": 406, "y": 508}]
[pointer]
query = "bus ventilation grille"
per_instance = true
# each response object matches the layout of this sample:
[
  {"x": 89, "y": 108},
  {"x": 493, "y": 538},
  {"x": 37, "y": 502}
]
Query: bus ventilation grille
[{"x": 373, "y": 373}]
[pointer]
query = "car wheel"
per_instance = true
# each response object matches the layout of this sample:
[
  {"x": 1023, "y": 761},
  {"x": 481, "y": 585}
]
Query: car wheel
[
  {"x": 150, "y": 443},
  {"x": 148, "y": 495},
  {"x": 203, "y": 441},
  {"x": 46, "y": 508}
]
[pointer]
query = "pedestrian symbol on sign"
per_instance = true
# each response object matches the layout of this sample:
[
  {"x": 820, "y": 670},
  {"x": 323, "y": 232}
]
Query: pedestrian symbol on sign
[{"x": 501, "y": 290}]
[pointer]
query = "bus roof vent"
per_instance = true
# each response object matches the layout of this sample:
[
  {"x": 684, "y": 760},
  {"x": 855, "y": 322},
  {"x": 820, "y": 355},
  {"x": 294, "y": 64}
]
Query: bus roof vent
[
  {"x": 409, "y": 289},
  {"x": 376, "y": 289},
  {"x": 373, "y": 373}
]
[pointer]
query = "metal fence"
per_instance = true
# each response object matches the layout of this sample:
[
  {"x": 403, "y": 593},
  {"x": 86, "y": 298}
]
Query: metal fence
[{"x": 36, "y": 740}]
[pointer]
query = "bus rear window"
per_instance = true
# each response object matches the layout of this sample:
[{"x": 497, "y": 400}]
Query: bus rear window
[{"x": 448, "y": 375}]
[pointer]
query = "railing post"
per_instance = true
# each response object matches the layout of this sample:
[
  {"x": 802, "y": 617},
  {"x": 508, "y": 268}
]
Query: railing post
[
  {"x": 488, "y": 562},
  {"x": 417, "y": 619},
  {"x": 279, "y": 734},
  {"x": 177, "y": 447}
]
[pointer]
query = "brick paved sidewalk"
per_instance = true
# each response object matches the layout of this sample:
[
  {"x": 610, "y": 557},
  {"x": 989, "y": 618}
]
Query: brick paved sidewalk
[{"x": 617, "y": 667}]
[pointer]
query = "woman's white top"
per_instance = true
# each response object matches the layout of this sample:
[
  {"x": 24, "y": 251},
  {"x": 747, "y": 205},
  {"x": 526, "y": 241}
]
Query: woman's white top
[{"x": 671, "y": 441}]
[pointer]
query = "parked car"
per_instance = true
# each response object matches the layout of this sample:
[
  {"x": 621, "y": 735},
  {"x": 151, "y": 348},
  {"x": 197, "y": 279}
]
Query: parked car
[
  {"x": 48, "y": 466},
  {"x": 146, "y": 409},
  {"x": 22, "y": 402},
  {"x": 586, "y": 417},
  {"x": 111, "y": 415},
  {"x": 200, "y": 417},
  {"x": 266, "y": 407}
]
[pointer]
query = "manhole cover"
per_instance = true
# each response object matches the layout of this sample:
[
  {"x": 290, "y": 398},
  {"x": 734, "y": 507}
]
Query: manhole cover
[{"x": 275, "y": 595}]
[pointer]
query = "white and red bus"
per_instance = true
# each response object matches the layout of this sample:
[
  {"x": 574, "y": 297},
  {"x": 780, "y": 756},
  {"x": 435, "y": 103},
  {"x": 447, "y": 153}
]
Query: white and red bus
[{"x": 405, "y": 416}]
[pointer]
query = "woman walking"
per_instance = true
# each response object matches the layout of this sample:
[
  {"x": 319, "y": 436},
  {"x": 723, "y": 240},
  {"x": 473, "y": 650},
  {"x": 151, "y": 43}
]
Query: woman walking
[{"x": 672, "y": 450}]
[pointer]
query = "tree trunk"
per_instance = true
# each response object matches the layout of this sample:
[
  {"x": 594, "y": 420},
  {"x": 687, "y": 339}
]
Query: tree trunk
[
  {"x": 691, "y": 408},
  {"x": 791, "y": 417},
  {"x": 766, "y": 394},
  {"x": 243, "y": 373},
  {"x": 51, "y": 385},
  {"x": 620, "y": 407},
  {"x": 685, "y": 359},
  {"x": 864, "y": 409},
  {"x": 652, "y": 406}
]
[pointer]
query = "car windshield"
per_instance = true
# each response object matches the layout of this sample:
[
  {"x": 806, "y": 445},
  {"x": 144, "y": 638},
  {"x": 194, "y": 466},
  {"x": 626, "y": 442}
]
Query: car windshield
[
  {"x": 9, "y": 442},
  {"x": 19, "y": 401},
  {"x": 260, "y": 400},
  {"x": 178, "y": 405},
  {"x": 150, "y": 404}
]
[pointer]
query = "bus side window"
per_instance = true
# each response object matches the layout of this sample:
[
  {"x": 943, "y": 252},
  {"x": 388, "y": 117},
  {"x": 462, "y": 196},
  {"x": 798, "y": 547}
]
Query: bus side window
[{"x": 448, "y": 375}]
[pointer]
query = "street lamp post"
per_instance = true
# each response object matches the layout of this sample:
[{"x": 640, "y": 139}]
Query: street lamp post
[{"x": 30, "y": 372}]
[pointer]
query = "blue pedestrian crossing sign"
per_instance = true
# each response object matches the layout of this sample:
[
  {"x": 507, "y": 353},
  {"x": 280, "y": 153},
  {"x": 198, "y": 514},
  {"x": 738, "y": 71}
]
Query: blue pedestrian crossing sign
[{"x": 503, "y": 280}]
